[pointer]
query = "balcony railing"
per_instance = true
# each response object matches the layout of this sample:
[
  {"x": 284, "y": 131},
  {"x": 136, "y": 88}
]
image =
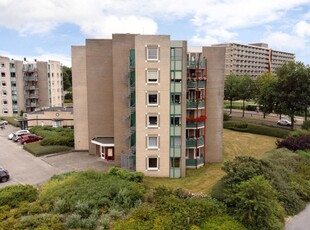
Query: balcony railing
[
  {"x": 200, "y": 124},
  {"x": 30, "y": 96},
  {"x": 193, "y": 104},
  {"x": 194, "y": 162},
  {"x": 31, "y": 87},
  {"x": 133, "y": 119},
  {"x": 133, "y": 139},
  {"x": 132, "y": 58},
  {"x": 194, "y": 64},
  {"x": 191, "y": 142},
  {"x": 31, "y": 78},
  {"x": 193, "y": 84}
]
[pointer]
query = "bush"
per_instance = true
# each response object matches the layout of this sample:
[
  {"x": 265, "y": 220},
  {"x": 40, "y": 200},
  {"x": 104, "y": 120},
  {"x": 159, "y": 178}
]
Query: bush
[
  {"x": 255, "y": 204},
  {"x": 306, "y": 125},
  {"x": 223, "y": 222},
  {"x": 37, "y": 149},
  {"x": 256, "y": 129},
  {"x": 14, "y": 194},
  {"x": 226, "y": 117},
  {"x": 301, "y": 142},
  {"x": 124, "y": 174},
  {"x": 41, "y": 221}
]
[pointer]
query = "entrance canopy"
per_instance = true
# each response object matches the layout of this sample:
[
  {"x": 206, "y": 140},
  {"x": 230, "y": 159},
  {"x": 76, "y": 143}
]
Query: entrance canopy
[{"x": 103, "y": 141}]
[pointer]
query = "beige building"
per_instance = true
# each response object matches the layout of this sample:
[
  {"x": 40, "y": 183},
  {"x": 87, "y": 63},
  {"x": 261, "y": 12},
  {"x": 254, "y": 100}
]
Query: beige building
[
  {"x": 139, "y": 102},
  {"x": 29, "y": 85},
  {"x": 253, "y": 59}
]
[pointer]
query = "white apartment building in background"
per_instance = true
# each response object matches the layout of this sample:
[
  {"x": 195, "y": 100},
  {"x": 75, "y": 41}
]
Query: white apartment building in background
[
  {"x": 253, "y": 59},
  {"x": 29, "y": 85}
]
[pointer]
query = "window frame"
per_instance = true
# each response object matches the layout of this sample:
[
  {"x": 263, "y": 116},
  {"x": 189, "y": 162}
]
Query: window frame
[
  {"x": 148, "y": 168},
  {"x": 148, "y": 142},
  {"x": 148, "y": 79},
  {"x": 148, "y": 120},
  {"x": 148, "y": 99},
  {"x": 148, "y": 47}
]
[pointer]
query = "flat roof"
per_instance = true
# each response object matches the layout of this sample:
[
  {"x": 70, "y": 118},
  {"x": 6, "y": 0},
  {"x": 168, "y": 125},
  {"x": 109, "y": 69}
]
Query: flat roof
[{"x": 103, "y": 141}]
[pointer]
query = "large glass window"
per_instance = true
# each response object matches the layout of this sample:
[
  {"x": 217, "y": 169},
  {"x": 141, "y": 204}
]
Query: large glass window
[
  {"x": 176, "y": 98},
  {"x": 175, "y": 141},
  {"x": 175, "y": 120}
]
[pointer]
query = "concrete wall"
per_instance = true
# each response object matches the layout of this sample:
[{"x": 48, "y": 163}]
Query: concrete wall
[
  {"x": 20, "y": 86},
  {"x": 214, "y": 103},
  {"x": 8, "y": 98},
  {"x": 43, "y": 84},
  {"x": 121, "y": 45},
  {"x": 80, "y": 108},
  {"x": 164, "y": 104},
  {"x": 100, "y": 101},
  {"x": 45, "y": 118},
  {"x": 56, "y": 84}
]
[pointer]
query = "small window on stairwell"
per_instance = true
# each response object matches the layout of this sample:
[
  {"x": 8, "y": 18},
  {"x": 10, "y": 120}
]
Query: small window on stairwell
[
  {"x": 3, "y": 84},
  {"x": 2, "y": 74},
  {"x": 152, "y": 53},
  {"x": 152, "y": 76},
  {"x": 152, "y": 121}
]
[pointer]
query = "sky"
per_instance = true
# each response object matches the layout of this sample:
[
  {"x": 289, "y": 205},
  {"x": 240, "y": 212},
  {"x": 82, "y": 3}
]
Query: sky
[{"x": 46, "y": 29}]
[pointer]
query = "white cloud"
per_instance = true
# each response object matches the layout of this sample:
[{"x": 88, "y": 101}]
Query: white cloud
[
  {"x": 280, "y": 40},
  {"x": 302, "y": 29}
]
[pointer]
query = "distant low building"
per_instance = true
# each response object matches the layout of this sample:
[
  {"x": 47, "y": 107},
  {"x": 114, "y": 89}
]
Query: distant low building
[{"x": 52, "y": 116}]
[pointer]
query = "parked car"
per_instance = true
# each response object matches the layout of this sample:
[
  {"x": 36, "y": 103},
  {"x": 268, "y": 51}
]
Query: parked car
[
  {"x": 28, "y": 138},
  {"x": 284, "y": 122},
  {"x": 10, "y": 136},
  {"x": 4, "y": 175},
  {"x": 3, "y": 122},
  {"x": 17, "y": 137}
]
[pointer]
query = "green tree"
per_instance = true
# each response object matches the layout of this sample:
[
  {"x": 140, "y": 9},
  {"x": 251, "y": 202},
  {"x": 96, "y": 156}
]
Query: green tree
[
  {"x": 292, "y": 89},
  {"x": 67, "y": 77},
  {"x": 231, "y": 89},
  {"x": 245, "y": 90},
  {"x": 265, "y": 84},
  {"x": 255, "y": 204}
]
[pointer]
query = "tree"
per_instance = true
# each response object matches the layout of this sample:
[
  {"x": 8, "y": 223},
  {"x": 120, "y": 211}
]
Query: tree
[
  {"x": 292, "y": 90},
  {"x": 67, "y": 77},
  {"x": 256, "y": 205},
  {"x": 245, "y": 90},
  {"x": 231, "y": 89},
  {"x": 265, "y": 84}
]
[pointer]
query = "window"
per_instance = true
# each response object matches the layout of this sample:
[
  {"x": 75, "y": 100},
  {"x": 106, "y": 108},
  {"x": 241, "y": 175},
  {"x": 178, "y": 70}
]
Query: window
[
  {"x": 176, "y": 120},
  {"x": 2, "y": 65},
  {"x": 3, "y": 83},
  {"x": 152, "y": 53},
  {"x": 176, "y": 98},
  {"x": 152, "y": 121},
  {"x": 152, "y": 76},
  {"x": 175, "y": 142},
  {"x": 175, "y": 162},
  {"x": 152, "y": 163},
  {"x": 152, "y": 99},
  {"x": 4, "y": 102},
  {"x": 4, "y": 93},
  {"x": 5, "y": 111},
  {"x": 152, "y": 142},
  {"x": 2, "y": 74}
]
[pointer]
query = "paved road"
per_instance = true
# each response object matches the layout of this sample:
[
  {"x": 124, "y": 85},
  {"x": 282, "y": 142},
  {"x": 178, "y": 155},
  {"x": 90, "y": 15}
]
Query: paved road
[
  {"x": 300, "y": 221},
  {"x": 24, "y": 168}
]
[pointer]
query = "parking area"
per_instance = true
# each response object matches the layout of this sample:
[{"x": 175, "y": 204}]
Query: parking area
[{"x": 24, "y": 168}]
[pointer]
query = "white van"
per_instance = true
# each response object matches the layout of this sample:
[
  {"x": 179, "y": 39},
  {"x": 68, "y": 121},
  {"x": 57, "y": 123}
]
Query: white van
[{"x": 18, "y": 133}]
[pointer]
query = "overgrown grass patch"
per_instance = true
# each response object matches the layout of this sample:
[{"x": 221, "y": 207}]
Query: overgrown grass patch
[
  {"x": 37, "y": 149},
  {"x": 242, "y": 126},
  {"x": 11, "y": 120}
]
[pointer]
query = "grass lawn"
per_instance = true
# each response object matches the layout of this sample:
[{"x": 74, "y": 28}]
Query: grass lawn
[
  {"x": 38, "y": 150},
  {"x": 235, "y": 144}
]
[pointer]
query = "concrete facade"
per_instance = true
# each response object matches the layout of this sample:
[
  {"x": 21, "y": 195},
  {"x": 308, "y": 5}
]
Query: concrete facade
[
  {"x": 26, "y": 86},
  {"x": 130, "y": 104},
  {"x": 252, "y": 59}
]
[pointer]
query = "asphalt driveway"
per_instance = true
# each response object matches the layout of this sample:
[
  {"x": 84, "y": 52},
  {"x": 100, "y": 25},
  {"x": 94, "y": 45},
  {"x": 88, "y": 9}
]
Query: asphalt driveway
[{"x": 24, "y": 168}]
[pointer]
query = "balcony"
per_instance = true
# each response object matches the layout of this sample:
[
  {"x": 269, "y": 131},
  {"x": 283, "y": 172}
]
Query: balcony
[
  {"x": 193, "y": 104},
  {"x": 31, "y": 87},
  {"x": 133, "y": 119},
  {"x": 196, "y": 64},
  {"x": 31, "y": 96},
  {"x": 29, "y": 68},
  {"x": 31, "y": 78},
  {"x": 133, "y": 139},
  {"x": 133, "y": 99},
  {"x": 194, "y": 162},
  {"x": 32, "y": 104},
  {"x": 132, "y": 78},
  {"x": 191, "y": 142},
  {"x": 200, "y": 124},
  {"x": 195, "y": 84}
]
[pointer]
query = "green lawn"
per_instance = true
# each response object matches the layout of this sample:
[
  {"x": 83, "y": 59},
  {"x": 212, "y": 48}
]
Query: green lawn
[
  {"x": 39, "y": 150},
  {"x": 202, "y": 179}
]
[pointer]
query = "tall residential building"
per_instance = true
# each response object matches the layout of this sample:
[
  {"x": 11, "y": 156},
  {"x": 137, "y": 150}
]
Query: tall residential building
[
  {"x": 139, "y": 102},
  {"x": 29, "y": 85},
  {"x": 253, "y": 59}
]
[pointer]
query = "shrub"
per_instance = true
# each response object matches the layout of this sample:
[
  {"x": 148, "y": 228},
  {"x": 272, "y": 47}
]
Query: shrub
[
  {"x": 61, "y": 206},
  {"x": 37, "y": 149},
  {"x": 255, "y": 204},
  {"x": 222, "y": 222},
  {"x": 306, "y": 125},
  {"x": 41, "y": 221},
  {"x": 256, "y": 129},
  {"x": 226, "y": 117},
  {"x": 13, "y": 195},
  {"x": 301, "y": 142},
  {"x": 124, "y": 174}
]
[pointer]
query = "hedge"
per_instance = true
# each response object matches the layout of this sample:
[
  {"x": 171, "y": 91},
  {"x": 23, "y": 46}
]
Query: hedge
[{"x": 242, "y": 126}]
